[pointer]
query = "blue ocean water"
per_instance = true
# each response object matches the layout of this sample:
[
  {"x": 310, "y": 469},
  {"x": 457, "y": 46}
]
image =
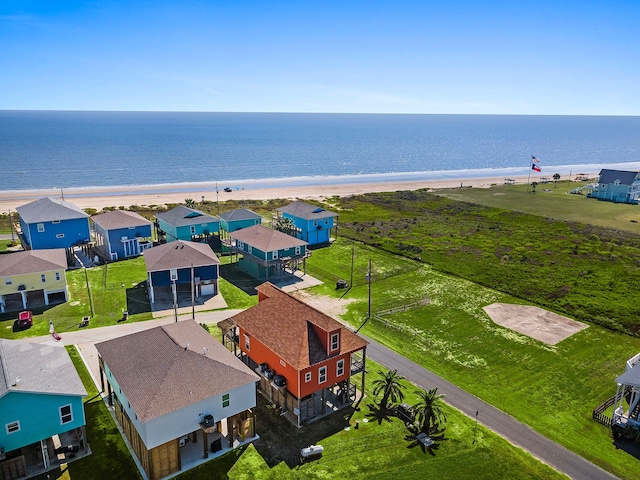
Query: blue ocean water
[{"x": 51, "y": 149}]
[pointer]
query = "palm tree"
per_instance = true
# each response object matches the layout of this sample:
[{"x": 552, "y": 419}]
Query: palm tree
[
  {"x": 556, "y": 177},
  {"x": 429, "y": 410},
  {"x": 190, "y": 202},
  {"x": 285, "y": 225},
  {"x": 534, "y": 185},
  {"x": 390, "y": 387}
]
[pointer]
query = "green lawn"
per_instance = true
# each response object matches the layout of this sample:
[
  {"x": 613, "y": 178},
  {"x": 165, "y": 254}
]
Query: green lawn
[
  {"x": 115, "y": 288},
  {"x": 374, "y": 450},
  {"x": 549, "y": 201},
  {"x": 588, "y": 272},
  {"x": 552, "y": 389}
]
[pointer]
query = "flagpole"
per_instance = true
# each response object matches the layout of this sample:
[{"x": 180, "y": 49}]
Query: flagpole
[{"x": 529, "y": 176}]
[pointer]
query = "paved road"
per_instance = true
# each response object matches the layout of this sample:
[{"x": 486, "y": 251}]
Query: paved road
[{"x": 517, "y": 433}]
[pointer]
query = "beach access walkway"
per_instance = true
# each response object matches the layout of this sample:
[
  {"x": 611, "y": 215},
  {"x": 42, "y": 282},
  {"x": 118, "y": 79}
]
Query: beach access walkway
[{"x": 519, "y": 434}]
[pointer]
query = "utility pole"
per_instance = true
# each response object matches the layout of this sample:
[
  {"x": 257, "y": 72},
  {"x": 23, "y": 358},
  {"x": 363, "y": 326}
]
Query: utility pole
[
  {"x": 475, "y": 428},
  {"x": 193, "y": 300},
  {"x": 175, "y": 301},
  {"x": 13, "y": 239},
  {"x": 353, "y": 254},
  {"x": 369, "y": 281},
  {"x": 217, "y": 202}
]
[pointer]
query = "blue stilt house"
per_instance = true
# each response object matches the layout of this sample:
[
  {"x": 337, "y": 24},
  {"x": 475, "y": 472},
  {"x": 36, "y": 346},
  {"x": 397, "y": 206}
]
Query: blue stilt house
[
  {"x": 52, "y": 223},
  {"x": 184, "y": 223},
  {"x": 618, "y": 186},
  {"x": 120, "y": 234},
  {"x": 40, "y": 405},
  {"x": 313, "y": 224}
]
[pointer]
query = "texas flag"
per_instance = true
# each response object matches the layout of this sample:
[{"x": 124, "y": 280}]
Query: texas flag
[
  {"x": 534, "y": 159},
  {"x": 535, "y": 168}
]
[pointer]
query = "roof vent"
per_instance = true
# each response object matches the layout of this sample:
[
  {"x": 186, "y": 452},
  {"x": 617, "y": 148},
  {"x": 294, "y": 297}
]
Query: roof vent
[
  {"x": 17, "y": 381},
  {"x": 204, "y": 350},
  {"x": 186, "y": 346}
]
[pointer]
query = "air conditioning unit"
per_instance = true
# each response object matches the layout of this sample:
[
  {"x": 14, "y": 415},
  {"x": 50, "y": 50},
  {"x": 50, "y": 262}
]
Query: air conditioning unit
[{"x": 268, "y": 373}]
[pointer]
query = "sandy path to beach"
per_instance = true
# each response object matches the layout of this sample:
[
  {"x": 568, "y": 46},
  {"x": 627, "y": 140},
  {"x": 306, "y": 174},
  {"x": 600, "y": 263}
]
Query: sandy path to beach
[{"x": 126, "y": 196}]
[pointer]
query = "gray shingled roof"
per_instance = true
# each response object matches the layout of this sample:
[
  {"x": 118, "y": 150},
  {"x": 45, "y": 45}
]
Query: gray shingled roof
[
  {"x": 179, "y": 254},
  {"x": 119, "y": 219},
  {"x": 37, "y": 368},
  {"x": 48, "y": 209},
  {"x": 610, "y": 176},
  {"x": 181, "y": 216},
  {"x": 306, "y": 211},
  {"x": 266, "y": 239},
  {"x": 239, "y": 214},
  {"x": 170, "y": 367},
  {"x": 32, "y": 261}
]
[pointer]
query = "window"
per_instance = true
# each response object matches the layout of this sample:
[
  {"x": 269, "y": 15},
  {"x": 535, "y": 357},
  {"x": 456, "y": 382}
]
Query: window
[
  {"x": 40, "y": 227},
  {"x": 340, "y": 368},
  {"x": 315, "y": 222},
  {"x": 60, "y": 235},
  {"x": 335, "y": 342},
  {"x": 57, "y": 275},
  {"x": 192, "y": 229},
  {"x": 274, "y": 254},
  {"x": 225, "y": 400},
  {"x": 43, "y": 278},
  {"x": 297, "y": 250},
  {"x": 322, "y": 374},
  {"x": 8, "y": 281},
  {"x": 240, "y": 244},
  {"x": 247, "y": 342},
  {"x": 173, "y": 274},
  {"x": 13, "y": 427},
  {"x": 307, "y": 377},
  {"x": 55, "y": 221},
  {"x": 250, "y": 249},
  {"x": 65, "y": 414},
  {"x": 283, "y": 363},
  {"x": 326, "y": 221}
]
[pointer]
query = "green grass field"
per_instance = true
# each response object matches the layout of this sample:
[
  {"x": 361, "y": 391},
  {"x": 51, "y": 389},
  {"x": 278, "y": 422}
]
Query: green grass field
[
  {"x": 552, "y": 389},
  {"x": 552, "y": 201},
  {"x": 376, "y": 451}
]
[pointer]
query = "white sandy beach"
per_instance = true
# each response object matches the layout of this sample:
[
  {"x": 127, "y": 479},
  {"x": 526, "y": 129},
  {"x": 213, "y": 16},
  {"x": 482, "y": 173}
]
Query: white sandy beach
[{"x": 100, "y": 197}]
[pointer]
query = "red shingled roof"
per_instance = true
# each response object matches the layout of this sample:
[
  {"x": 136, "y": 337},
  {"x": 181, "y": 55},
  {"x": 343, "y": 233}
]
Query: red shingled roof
[{"x": 284, "y": 325}]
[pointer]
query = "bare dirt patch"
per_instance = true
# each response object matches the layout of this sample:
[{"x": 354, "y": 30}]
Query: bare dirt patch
[
  {"x": 535, "y": 322},
  {"x": 334, "y": 307}
]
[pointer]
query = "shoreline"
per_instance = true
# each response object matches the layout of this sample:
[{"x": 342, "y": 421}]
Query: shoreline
[{"x": 100, "y": 197}]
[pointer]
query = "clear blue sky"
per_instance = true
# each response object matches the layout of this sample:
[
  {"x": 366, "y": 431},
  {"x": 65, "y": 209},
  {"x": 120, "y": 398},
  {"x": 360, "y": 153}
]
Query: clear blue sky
[{"x": 546, "y": 57}]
